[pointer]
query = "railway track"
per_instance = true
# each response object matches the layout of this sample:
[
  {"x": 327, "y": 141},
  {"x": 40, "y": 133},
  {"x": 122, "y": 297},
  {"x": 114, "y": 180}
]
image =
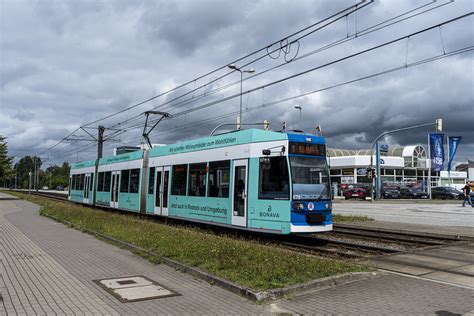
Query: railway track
[
  {"x": 340, "y": 248},
  {"x": 54, "y": 196},
  {"x": 388, "y": 234},
  {"x": 345, "y": 241}
]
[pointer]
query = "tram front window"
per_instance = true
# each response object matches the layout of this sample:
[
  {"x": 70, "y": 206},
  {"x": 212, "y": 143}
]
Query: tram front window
[{"x": 309, "y": 178}]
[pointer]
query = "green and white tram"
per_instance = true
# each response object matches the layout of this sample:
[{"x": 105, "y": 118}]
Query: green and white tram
[
  {"x": 252, "y": 179},
  {"x": 119, "y": 181},
  {"x": 81, "y": 182}
]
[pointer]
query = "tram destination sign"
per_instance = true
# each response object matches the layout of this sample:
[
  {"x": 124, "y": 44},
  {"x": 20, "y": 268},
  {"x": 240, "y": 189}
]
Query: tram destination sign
[{"x": 307, "y": 149}]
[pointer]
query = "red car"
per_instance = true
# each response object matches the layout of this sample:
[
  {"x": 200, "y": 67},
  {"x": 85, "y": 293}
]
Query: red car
[{"x": 355, "y": 193}]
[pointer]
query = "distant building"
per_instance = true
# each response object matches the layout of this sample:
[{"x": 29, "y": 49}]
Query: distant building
[
  {"x": 468, "y": 168},
  {"x": 399, "y": 166}
]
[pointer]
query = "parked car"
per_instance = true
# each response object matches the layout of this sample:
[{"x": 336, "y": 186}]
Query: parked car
[
  {"x": 412, "y": 193},
  {"x": 446, "y": 193},
  {"x": 391, "y": 194},
  {"x": 355, "y": 193},
  {"x": 44, "y": 187}
]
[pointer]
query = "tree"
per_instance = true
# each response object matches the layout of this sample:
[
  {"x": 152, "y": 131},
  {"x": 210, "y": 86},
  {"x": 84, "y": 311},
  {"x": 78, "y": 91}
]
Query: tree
[
  {"x": 55, "y": 176},
  {"x": 6, "y": 171},
  {"x": 24, "y": 166}
]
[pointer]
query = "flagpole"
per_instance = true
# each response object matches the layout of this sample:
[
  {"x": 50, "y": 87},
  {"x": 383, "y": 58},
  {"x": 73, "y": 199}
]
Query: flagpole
[
  {"x": 449, "y": 160},
  {"x": 429, "y": 167}
]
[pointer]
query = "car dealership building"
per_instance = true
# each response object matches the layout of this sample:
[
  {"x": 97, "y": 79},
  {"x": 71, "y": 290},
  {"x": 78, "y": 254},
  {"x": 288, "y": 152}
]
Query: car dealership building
[{"x": 399, "y": 167}]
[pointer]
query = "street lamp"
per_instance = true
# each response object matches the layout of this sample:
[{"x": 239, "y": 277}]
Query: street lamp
[
  {"x": 298, "y": 107},
  {"x": 251, "y": 70},
  {"x": 439, "y": 126}
]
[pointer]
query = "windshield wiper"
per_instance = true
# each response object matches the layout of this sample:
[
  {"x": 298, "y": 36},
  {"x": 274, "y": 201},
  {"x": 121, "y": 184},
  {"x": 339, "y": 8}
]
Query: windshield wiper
[{"x": 322, "y": 193}]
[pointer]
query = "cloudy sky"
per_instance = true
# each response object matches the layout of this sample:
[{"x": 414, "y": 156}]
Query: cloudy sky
[{"x": 66, "y": 64}]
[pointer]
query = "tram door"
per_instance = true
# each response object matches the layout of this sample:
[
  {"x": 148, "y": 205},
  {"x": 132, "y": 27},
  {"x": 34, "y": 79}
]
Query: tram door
[
  {"x": 87, "y": 184},
  {"x": 114, "y": 189},
  {"x": 162, "y": 179},
  {"x": 239, "y": 192}
]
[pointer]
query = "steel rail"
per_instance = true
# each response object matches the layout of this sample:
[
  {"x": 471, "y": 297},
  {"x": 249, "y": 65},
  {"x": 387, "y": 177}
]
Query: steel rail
[
  {"x": 442, "y": 237},
  {"x": 387, "y": 236}
]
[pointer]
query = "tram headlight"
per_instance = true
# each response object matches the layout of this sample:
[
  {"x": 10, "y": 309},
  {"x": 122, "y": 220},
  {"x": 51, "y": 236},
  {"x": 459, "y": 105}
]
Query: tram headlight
[
  {"x": 298, "y": 206},
  {"x": 328, "y": 206}
]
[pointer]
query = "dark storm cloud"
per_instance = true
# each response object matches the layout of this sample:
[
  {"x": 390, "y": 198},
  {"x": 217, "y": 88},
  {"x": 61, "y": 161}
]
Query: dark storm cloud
[
  {"x": 187, "y": 26},
  {"x": 65, "y": 63}
]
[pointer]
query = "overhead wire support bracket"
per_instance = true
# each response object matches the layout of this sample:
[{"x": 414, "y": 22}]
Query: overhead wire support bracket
[
  {"x": 93, "y": 137},
  {"x": 164, "y": 115}
]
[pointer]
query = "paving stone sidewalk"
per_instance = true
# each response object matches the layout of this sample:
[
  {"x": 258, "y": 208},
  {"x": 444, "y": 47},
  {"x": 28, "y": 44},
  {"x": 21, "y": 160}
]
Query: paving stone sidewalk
[{"x": 47, "y": 268}]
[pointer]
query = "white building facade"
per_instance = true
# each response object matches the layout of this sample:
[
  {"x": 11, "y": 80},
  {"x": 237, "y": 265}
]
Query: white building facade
[{"x": 399, "y": 167}]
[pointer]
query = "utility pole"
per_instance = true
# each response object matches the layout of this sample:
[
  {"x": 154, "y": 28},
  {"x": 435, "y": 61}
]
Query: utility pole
[
  {"x": 34, "y": 179},
  {"x": 298, "y": 107},
  {"x": 29, "y": 182},
  {"x": 100, "y": 141}
]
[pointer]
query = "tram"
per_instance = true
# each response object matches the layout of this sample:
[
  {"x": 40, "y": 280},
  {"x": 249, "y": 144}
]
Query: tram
[{"x": 253, "y": 179}]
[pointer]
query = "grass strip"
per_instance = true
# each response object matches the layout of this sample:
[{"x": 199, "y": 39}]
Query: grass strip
[
  {"x": 339, "y": 218},
  {"x": 252, "y": 264}
]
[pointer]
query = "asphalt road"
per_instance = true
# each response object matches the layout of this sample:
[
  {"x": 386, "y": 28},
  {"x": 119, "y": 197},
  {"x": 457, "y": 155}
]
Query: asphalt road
[{"x": 437, "y": 213}]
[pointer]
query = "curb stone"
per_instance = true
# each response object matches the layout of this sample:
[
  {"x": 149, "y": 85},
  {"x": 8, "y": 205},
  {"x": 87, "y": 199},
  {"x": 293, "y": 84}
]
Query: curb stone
[{"x": 228, "y": 285}]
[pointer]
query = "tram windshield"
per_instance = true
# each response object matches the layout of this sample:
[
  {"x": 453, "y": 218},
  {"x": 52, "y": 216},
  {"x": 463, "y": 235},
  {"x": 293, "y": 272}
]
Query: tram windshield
[{"x": 310, "y": 178}]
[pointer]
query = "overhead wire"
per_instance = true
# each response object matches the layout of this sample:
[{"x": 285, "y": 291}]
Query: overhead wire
[
  {"x": 268, "y": 53},
  {"x": 301, "y": 73},
  {"x": 215, "y": 102},
  {"x": 354, "y": 7},
  {"x": 264, "y": 105},
  {"x": 333, "y": 44}
]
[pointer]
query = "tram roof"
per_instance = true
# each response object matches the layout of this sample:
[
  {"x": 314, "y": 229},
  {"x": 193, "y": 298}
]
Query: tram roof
[
  {"x": 134, "y": 155},
  {"x": 224, "y": 140},
  {"x": 221, "y": 140}
]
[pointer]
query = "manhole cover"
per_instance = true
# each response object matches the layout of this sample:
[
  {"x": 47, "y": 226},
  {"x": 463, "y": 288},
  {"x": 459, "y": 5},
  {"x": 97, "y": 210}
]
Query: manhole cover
[{"x": 134, "y": 288}]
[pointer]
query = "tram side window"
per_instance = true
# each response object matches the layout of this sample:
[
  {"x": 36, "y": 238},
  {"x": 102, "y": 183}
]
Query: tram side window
[
  {"x": 124, "y": 181},
  {"x": 219, "y": 175},
  {"x": 197, "y": 179},
  {"x": 273, "y": 179},
  {"x": 107, "y": 180},
  {"x": 151, "y": 181},
  {"x": 178, "y": 186},
  {"x": 81, "y": 182},
  {"x": 134, "y": 180},
  {"x": 74, "y": 182},
  {"x": 100, "y": 182},
  {"x": 91, "y": 181}
]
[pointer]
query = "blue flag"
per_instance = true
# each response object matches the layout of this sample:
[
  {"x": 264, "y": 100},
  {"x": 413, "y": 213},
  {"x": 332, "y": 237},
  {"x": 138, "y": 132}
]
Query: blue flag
[
  {"x": 437, "y": 151},
  {"x": 453, "y": 147}
]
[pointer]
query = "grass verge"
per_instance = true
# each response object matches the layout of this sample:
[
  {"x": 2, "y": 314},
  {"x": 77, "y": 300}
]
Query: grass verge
[
  {"x": 248, "y": 263},
  {"x": 338, "y": 218}
]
